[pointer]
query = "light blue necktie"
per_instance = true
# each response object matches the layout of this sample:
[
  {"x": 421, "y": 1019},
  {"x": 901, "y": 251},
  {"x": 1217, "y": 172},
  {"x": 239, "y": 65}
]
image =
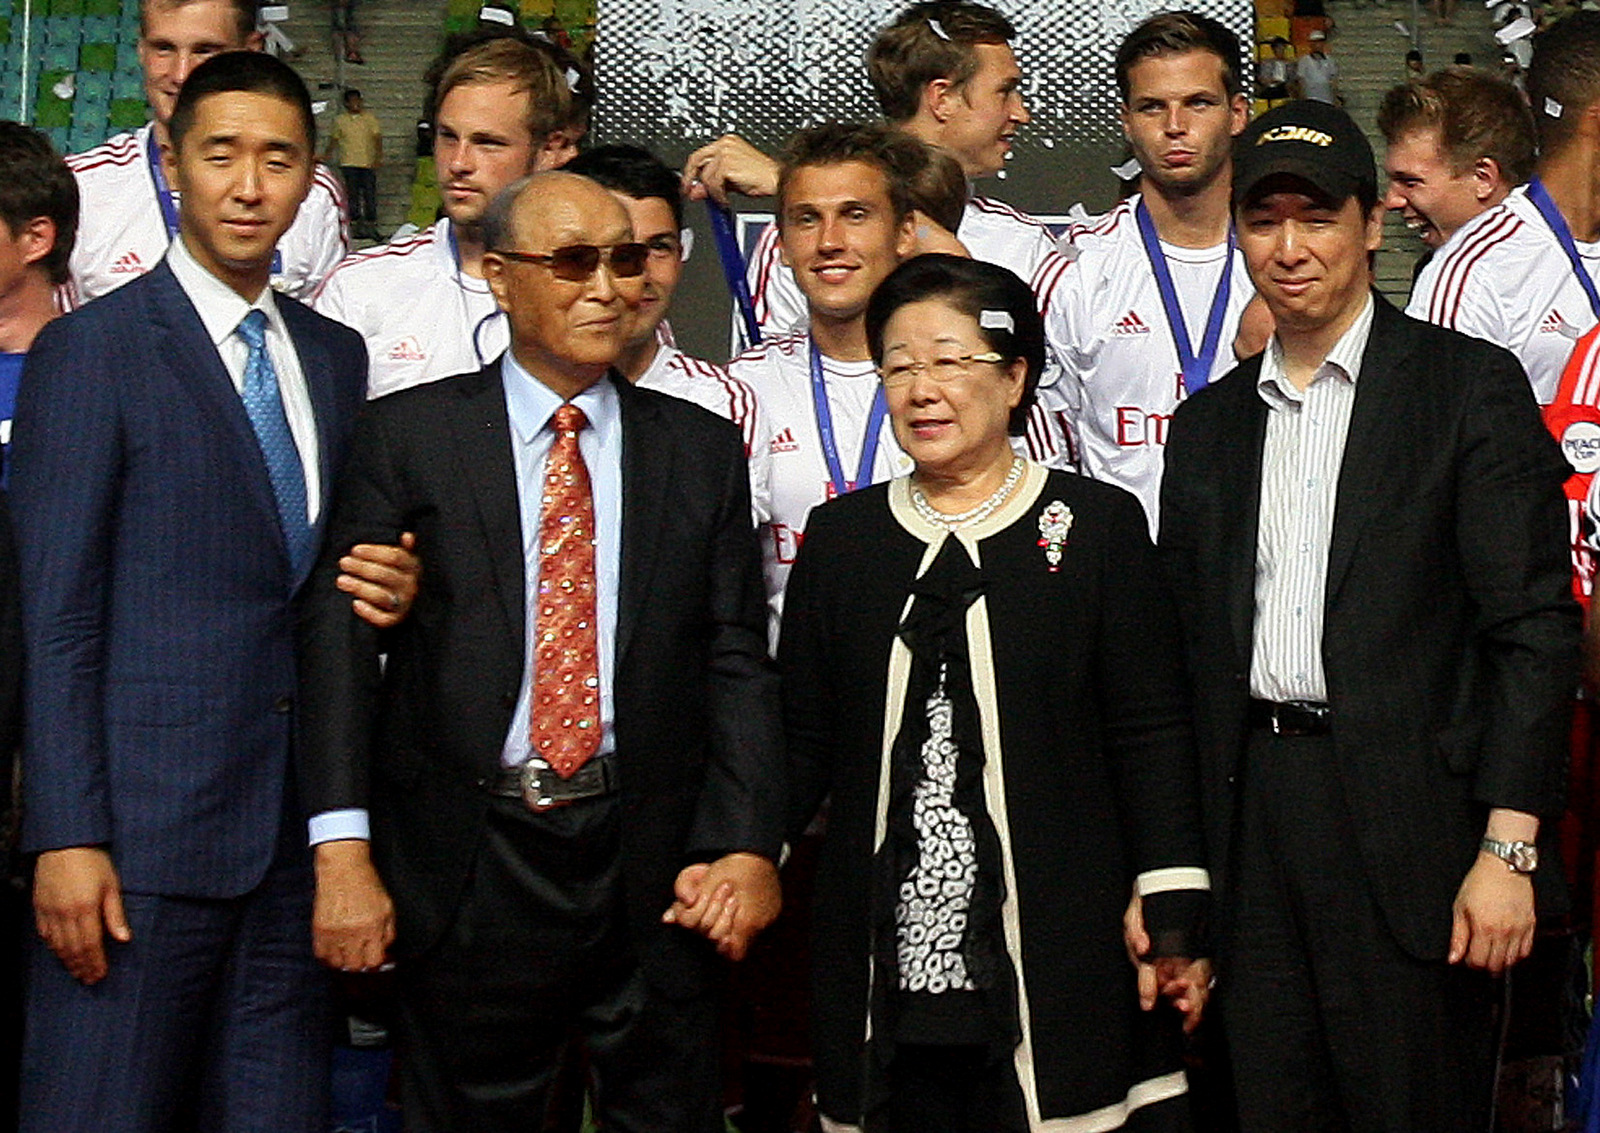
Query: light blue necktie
[{"x": 264, "y": 403}]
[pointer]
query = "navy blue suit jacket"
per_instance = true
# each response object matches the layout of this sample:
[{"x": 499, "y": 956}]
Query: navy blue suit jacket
[{"x": 157, "y": 588}]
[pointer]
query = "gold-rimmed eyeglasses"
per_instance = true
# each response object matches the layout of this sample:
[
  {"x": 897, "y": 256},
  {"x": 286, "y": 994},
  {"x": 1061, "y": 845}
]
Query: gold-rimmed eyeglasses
[
  {"x": 575, "y": 263},
  {"x": 946, "y": 369}
]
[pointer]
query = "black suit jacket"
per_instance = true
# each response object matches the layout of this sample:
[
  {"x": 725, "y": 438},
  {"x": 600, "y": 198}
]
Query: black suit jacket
[
  {"x": 696, "y": 707},
  {"x": 1449, "y": 632}
]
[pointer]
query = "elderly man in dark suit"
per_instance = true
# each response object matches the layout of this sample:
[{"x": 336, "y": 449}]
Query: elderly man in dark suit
[
  {"x": 1365, "y": 530},
  {"x": 174, "y": 444},
  {"x": 578, "y": 714}
]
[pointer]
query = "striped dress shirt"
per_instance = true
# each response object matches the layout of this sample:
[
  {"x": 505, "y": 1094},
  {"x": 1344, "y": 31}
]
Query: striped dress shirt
[{"x": 1300, "y": 461}]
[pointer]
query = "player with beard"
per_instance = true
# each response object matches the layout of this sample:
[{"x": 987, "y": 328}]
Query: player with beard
[
  {"x": 502, "y": 110},
  {"x": 1143, "y": 305}
]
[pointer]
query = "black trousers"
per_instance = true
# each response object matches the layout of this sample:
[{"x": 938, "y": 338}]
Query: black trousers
[
  {"x": 539, "y": 956},
  {"x": 1331, "y": 1025},
  {"x": 362, "y": 185}
]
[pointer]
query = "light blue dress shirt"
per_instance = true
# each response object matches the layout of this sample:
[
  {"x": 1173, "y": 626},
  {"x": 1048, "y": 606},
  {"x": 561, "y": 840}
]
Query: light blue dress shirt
[{"x": 530, "y": 404}]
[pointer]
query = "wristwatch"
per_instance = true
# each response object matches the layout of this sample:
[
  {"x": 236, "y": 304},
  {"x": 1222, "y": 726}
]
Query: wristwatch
[{"x": 1521, "y": 857}]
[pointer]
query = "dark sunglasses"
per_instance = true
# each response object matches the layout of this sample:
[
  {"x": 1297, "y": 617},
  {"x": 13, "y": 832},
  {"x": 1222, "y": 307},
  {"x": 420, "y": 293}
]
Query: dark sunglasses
[{"x": 577, "y": 262}]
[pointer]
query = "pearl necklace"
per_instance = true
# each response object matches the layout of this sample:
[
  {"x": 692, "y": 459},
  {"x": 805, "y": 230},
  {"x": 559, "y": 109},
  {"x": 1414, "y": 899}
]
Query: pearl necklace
[{"x": 983, "y": 511}]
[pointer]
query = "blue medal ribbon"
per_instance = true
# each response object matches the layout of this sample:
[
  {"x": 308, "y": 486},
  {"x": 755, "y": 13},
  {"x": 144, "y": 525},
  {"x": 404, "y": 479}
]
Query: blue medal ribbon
[
  {"x": 158, "y": 175},
  {"x": 1540, "y": 196},
  {"x": 1196, "y": 367},
  {"x": 169, "y": 203},
  {"x": 830, "y": 445},
  {"x": 732, "y": 261}
]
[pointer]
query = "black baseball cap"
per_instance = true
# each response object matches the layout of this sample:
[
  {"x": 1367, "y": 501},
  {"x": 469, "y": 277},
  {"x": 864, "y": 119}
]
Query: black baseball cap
[{"x": 1314, "y": 141}]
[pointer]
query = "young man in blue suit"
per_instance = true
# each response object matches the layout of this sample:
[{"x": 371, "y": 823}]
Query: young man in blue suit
[{"x": 175, "y": 445}]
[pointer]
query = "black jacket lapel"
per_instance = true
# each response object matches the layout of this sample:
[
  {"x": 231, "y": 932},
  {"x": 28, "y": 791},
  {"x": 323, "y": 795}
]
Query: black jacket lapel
[
  {"x": 647, "y": 460},
  {"x": 480, "y": 424}
]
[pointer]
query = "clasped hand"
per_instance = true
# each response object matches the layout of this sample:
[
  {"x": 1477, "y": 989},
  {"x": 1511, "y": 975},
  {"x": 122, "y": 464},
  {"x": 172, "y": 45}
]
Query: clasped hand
[{"x": 727, "y": 901}]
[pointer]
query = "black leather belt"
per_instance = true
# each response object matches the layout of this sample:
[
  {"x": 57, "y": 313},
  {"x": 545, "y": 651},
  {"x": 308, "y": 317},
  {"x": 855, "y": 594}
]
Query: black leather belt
[
  {"x": 1292, "y": 717},
  {"x": 537, "y": 785}
]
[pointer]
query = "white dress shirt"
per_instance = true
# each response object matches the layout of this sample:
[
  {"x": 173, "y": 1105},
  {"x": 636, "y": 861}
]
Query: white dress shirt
[
  {"x": 1300, "y": 463},
  {"x": 222, "y": 309}
]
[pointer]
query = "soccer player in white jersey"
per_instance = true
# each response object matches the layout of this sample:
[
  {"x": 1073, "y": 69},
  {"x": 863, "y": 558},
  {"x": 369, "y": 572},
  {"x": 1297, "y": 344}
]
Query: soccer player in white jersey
[
  {"x": 1457, "y": 142},
  {"x": 845, "y": 216},
  {"x": 129, "y": 213},
  {"x": 1111, "y": 321},
  {"x": 1523, "y": 274},
  {"x": 650, "y": 193},
  {"x": 421, "y": 303}
]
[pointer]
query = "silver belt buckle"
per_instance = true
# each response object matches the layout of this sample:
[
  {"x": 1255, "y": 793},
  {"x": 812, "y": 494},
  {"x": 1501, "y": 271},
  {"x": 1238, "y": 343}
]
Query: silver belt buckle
[{"x": 534, "y": 795}]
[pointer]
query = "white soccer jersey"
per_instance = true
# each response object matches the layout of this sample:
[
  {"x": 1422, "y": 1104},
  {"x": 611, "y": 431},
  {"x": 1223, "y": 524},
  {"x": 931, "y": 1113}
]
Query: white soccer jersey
[
  {"x": 1107, "y": 329},
  {"x": 711, "y": 387},
  {"x": 122, "y": 229},
  {"x": 422, "y": 317},
  {"x": 779, "y": 370},
  {"x": 991, "y": 230},
  {"x": 1503, "y": 277}
]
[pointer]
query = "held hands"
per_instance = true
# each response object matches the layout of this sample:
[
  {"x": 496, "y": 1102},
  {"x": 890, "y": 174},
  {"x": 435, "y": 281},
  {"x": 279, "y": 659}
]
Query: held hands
[
  {"x": 1187, "y": 983},
  {"x": 352, "y": 921},
  {"x": 1494, "y": 917},
  {"x": 382, "y": 580},
  {"x": 729, "y": 165},
  {"x": 727, "y": 901},
  {"x": 76, "y": 894}
]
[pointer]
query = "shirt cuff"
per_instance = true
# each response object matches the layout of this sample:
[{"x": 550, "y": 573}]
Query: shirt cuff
[{"x": 338, "y": 825}]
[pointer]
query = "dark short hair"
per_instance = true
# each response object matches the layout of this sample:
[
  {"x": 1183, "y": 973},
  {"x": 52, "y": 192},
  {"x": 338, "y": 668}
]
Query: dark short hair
[
  {"x": 972, "y": 287},
  {"x": 894, "y": 153},
  {"x": 632, "y": 171},
  {"x": 1477, "y": 114},
  {"x": 351, "y": 92},
  {"x": 1178, "y": 33},
  {"x": 939, "y": 188},
  {"x": 35, "y": 182},
  {"x": 244, "y": 14},
  {"x": 252, "y": 72},
  {"x": 911, "y": 52},
  {"x": 1566, "y": 71}
]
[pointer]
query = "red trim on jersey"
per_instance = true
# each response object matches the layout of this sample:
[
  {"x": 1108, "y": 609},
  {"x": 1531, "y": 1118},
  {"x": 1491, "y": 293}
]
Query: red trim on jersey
[
  {"x": 1046, "y": 276},
  {"x": 768, "y": 256},
  {"x": 1453, "y": 274},
  {"x": 123, "y": 149},
  {"x": 412, "y": 243},
  {"x": 1000, "y": 208}
]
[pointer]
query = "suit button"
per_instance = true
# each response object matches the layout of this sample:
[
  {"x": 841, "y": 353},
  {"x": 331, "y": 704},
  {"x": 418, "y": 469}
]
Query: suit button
[
  {"x": 282, "y": 704},
  {"x": 508, "y": 699},
  {"x": 1233, "y": 780}
]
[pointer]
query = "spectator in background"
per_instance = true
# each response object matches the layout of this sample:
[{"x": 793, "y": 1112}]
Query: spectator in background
[
  {"x": 1316, "y": 74},
  {"x": 1415, "y": 71},
  {"x": 1275, "y": 72},
  {"x": 1462, "y": 59},
  {"x": 358, "y": 137},
  {"x": 1511, "y": 72}
]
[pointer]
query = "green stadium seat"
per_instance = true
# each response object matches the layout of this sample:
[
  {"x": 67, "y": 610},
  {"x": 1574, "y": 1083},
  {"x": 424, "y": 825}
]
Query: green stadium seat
[
  {"x": 100, "y": 58},
  {"x": 127, "y": 54},
  {"x": 66, "y": 7},
  {"x": 127, "y": 114},
  {"x": 61, "y": 57},
  {"x": 49, "y": 111},
  {"x": 102, "y": 8},
  {"x": 127, "y": 85}
]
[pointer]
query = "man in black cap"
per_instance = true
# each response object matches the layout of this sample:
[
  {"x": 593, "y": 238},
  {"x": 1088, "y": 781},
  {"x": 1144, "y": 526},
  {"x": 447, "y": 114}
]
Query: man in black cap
[{"x": 1364, "y": 526}]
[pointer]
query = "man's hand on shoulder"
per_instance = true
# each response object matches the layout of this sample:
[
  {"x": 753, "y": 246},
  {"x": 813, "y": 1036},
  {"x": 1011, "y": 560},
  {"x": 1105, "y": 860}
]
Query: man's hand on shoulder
[
  {"x": 382, "y": 580},
  {"x": 728, "y": 901},
  {"x": 352, "y": 922},
  {"x": 76, "y": 900},
  {"x": 729, "y": 165}
]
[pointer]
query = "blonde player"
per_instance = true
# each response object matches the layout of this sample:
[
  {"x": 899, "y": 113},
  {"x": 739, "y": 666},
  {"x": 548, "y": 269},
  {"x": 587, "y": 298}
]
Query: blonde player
[
  {"x": 1144, "y": 307},
  {"x": 1522, "y": 275},
  {"x": 129, "y": 214},
  {"x": 421, "y": 303}
]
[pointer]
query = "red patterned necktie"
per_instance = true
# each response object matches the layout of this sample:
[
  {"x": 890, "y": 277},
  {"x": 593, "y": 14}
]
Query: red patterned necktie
[{"x": 565, "y": 724}]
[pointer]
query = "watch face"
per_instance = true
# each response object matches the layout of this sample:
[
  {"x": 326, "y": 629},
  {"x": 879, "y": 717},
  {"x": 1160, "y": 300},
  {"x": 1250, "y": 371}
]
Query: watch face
[{"x": 1524, "y": 858}]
